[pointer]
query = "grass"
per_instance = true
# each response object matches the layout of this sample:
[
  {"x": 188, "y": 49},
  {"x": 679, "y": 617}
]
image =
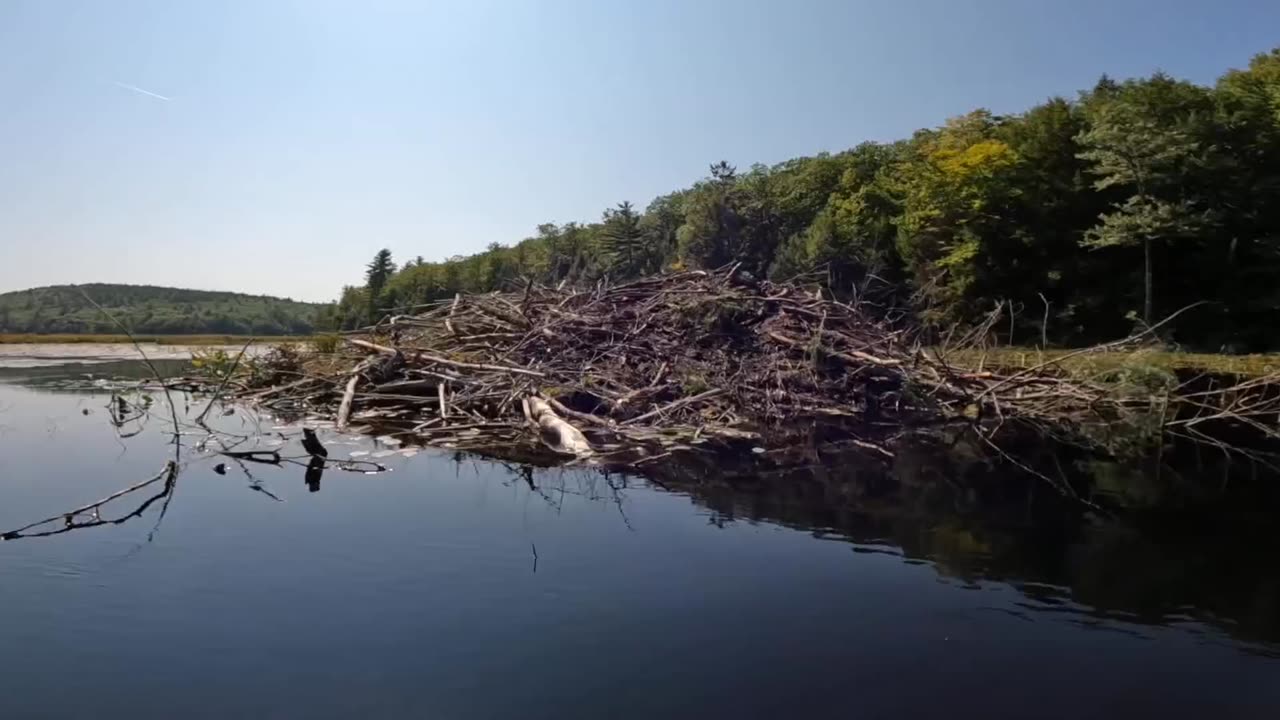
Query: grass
[
  {"x": 1017, "y": 358},
  {"x": 64, "y": 339}
]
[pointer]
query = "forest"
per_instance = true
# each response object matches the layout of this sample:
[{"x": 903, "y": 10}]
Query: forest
[
  {"x": 1083, "y": 218},
  {"x": 147, "y": 309}
]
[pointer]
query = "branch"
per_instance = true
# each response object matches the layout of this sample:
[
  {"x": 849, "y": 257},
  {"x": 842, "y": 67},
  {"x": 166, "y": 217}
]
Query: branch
[{"x": 168, "y": 475}]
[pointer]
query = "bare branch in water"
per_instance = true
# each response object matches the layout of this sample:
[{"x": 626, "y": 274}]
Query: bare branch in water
[{"x": 71, "y": 520}]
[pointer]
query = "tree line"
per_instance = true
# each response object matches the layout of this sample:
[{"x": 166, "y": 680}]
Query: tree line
[
  {"x": 1084, "y": 217},
  {"x": 152, "y": 310}
]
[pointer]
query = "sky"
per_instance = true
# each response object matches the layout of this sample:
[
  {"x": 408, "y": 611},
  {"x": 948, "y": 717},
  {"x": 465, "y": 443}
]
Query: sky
[{"x": 273, "y": 147}]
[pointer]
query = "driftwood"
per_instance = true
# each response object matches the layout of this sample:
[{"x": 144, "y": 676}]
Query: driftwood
[
  {"x": 555, "y": 432},
  {"x": 348, "y": 396}
]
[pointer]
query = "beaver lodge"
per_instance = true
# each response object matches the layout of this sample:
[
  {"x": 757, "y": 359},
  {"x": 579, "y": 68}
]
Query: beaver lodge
[{"x": 622, "y": 375}]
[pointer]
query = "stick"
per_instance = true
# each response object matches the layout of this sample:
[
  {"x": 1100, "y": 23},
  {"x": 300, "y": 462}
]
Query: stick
[
  {"x": 217, "y": 393},
  {"x": 1044, "y": 324},
  {"x": 442, "y": 361},
  {"x": 448, "y": 320},
  {"x": 674, "y": 405},
  {"x": 851, "y": 356},
  {"x": 344, "y": 409},
  {"x": 585, "y": 417}
]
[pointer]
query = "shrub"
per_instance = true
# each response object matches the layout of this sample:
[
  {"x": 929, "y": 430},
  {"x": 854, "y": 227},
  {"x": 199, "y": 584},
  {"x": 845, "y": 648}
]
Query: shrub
[{"x": 326, "y": 344}]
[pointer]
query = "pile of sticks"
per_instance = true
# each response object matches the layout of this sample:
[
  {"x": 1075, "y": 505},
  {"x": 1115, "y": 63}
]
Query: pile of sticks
[{"x": 638, "y": 370}]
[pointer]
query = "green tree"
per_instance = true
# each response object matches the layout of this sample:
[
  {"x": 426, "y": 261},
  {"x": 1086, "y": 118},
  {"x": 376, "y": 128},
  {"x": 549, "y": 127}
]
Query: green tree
[
  {"x": 352, "y": 309},
  {"x": 661, "y": 224},
  {"x": 377, "y": 273},
  {"x": 1038, "y": 259},
  {"x": 1131, "y": 146},
  {"x": 1245, "y": 184},
  {"x": 710, "y": 233},
  {"x": 956, "y": 188},
  {"x": 851, "y": 237},
  {"x": 623, "y": 243}
]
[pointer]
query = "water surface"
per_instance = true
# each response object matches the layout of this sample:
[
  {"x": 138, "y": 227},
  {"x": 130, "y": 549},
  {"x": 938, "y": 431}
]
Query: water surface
[{"x": 456, "y": 588}]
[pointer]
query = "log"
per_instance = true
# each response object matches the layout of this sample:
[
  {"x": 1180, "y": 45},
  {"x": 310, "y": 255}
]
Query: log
[
  {"x": 555, "y": 431},
  {"x": 344, "y": 409},
  {"x": 349, "y": 392}
]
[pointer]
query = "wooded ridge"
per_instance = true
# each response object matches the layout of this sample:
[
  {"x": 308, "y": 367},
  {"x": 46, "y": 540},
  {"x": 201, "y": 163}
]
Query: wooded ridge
[{"x": 149, "y": 309}]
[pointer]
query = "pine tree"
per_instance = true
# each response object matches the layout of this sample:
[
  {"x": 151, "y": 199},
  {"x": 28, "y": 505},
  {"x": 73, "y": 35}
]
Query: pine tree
[
  {"x": 623, "y": 242},
  {"x": 377, "y": 273}
]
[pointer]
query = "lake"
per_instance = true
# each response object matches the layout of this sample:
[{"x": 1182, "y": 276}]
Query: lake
[{"x": 942, "y": 585}]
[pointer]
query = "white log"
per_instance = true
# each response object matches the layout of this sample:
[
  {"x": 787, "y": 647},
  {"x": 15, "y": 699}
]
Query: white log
[{"x": 555, "y": 431}]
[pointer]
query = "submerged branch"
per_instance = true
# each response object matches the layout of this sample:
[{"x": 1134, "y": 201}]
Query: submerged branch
[{"x": 71, "y": 519}]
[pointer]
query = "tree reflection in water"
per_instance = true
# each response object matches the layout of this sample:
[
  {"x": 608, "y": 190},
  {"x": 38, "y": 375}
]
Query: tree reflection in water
[{"x": 1189, "y": 538}]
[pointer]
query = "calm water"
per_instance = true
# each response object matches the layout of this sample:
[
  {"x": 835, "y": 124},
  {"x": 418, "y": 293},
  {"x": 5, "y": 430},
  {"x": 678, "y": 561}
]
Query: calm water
[{"x": 453, "y": 588}]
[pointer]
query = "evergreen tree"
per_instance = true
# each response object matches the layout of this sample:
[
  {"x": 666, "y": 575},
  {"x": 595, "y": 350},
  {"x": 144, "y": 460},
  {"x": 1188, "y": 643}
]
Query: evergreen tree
[
  {"x": 377, "y": 273},
  {"x": 623, "y": 242}
]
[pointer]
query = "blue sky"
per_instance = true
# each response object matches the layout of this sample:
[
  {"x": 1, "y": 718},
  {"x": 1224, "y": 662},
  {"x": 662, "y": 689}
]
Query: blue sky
[{"x": 299, "y": 137}]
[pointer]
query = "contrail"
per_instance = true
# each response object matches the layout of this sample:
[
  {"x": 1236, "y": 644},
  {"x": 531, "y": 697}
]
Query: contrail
[{"x": 137, "y": 89}]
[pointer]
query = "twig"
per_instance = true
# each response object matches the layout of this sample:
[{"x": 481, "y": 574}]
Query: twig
[
  {"x": 222, "y": 386},
  {"x": 168, "y": 475},
  {"x": 675, "y": 405}
]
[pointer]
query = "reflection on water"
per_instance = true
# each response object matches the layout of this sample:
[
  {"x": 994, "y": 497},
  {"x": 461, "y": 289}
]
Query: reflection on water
[
  {"x": 47, "y": 375},
  {"x": 1192, "y": 540},
  {"x": 291, "y": 583}
]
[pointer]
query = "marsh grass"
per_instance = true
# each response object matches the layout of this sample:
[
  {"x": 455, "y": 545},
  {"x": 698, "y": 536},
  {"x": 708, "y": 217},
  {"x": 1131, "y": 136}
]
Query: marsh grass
[{"x": 1147, "y": 362}]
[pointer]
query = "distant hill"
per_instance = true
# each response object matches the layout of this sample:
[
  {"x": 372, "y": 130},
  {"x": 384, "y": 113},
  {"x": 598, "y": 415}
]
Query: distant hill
[{"x": 156, "y": 310}]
